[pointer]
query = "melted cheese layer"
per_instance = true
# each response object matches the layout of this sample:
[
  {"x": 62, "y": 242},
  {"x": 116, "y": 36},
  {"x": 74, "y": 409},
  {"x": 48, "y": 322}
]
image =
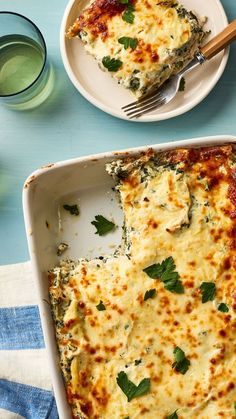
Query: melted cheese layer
[
  {"x": 180, "y": 204},
  {"x": 167, "y": 36}
]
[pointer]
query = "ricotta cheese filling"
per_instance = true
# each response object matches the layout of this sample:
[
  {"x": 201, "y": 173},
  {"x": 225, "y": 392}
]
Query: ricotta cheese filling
[{"x": 151, "y": 331}]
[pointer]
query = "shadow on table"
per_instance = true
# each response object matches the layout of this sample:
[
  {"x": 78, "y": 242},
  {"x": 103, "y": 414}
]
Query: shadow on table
[
  {"x": 217, "y": 105},
  {"x": 5, "y": 182}
]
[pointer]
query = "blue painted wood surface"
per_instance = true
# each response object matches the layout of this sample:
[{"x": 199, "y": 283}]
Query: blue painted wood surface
[{"x": 67, "y": 126}]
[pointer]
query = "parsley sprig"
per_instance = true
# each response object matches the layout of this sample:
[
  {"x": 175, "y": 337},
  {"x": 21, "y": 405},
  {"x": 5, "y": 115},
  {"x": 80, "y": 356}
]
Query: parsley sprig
[
  {"x": 103, "y": 226},
  {"x": 150, "y": 294},
  {"x": 128, "y": 15},
  {"x": 72, "y": 209},
  {"x": 101, "y": 306},
  {"x": 130, "y": 389},
  {"x": 128, "y": 42},
  {"x": 173, "y": 416},
  {"x": 208, "y": 290},
  {"x": 181, "y": 363},
  {"x": 165, "y": 271},
  {"x": 111, "y": 63},
  {"x": 223, "y": 308}
]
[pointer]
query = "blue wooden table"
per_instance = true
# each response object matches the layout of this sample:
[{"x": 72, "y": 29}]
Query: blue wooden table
[{"x": 67, "y": 126}]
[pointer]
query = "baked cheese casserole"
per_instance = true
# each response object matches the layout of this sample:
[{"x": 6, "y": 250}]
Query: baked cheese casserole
[
  {"x": 150, "y": 331},
  {"x": 140, "y": 42}
]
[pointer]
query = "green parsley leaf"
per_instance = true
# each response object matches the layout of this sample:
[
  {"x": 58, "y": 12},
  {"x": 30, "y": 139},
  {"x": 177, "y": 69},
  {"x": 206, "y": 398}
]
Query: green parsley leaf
[
  {"x": 235, "y": 409},
  {"x": 111, "y": 63},
  {"x": 128, "y": 15},
  {"x": 182, "y": 85},
  {"x": 150, "y": 294},
  {"x": 126, "y": 417},
  {"x": 137, "y": 362},
  {"x": 173, "y": 416},
  {"x": 101, "y": 306},
  {"x": 128, "y": 42},
  {"x": 130, "y": 389},
  {"x": 73, "y": 209},
  {"x": 165, "y": 271},
  {"x": 102, "y": 225},
  {"x": 208, "y": 290},
  {"x": 223, "y": 308},
  {"x": 158, "y": 269},
  {"x": 181, "y": 363},
  {"x": 123, "y": 1}
]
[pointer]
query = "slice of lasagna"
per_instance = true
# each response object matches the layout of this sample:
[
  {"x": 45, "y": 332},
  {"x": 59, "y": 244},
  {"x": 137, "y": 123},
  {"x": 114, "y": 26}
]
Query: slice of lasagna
[
  {"x": 151, "y": 332},
  {"x": 140, "y": 42}
]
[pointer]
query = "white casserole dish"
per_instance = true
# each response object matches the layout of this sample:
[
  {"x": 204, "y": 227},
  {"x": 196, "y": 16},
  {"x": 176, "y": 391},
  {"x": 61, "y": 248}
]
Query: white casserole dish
[{"x": 84, "y": 181}]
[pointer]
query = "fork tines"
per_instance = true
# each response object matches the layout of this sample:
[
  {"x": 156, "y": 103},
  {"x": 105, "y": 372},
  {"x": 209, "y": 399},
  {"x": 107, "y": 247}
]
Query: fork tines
[{"x": 144, "y": 105}]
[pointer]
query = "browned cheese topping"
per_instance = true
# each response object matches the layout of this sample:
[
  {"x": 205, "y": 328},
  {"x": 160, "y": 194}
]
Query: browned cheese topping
[{"x": 151, "y": 330}]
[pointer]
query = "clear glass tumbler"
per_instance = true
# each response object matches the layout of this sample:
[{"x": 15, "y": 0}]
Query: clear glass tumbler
[{"x": 26, "y": 77}]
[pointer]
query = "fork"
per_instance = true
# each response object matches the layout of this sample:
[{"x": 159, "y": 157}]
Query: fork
[{"x": 168, "y": 90}]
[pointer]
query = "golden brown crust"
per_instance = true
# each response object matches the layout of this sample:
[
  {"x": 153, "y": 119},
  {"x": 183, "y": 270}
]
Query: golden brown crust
[{"x": 178, "y": 203}]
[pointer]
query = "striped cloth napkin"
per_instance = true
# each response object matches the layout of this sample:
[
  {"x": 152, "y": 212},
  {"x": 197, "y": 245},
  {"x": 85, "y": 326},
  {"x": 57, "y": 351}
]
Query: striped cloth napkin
[{"x": 25, "y": 384}]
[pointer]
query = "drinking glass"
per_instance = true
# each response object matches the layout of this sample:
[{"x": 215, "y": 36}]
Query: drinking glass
[{"x": 26, "y": 76}]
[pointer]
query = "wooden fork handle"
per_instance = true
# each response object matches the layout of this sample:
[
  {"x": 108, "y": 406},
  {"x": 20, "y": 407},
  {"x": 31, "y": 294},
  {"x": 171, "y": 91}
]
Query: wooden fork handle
[{"x": 219, "y": 42}]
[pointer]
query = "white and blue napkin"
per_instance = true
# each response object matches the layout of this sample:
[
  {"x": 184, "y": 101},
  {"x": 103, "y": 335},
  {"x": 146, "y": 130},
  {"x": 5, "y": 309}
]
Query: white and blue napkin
[{"x": 25, "y": 384}]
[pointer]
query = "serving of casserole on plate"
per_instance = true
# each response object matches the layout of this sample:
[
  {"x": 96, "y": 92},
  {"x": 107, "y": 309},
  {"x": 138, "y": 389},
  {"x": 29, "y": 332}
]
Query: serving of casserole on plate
[
  {"x": 147, "y": 329},
  {"x": 140, "y": 44}
]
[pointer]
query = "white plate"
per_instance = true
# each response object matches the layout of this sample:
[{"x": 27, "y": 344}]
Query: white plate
[
  {"x": 82, "y": 180},
  {"x": 100, "y": 89}
]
